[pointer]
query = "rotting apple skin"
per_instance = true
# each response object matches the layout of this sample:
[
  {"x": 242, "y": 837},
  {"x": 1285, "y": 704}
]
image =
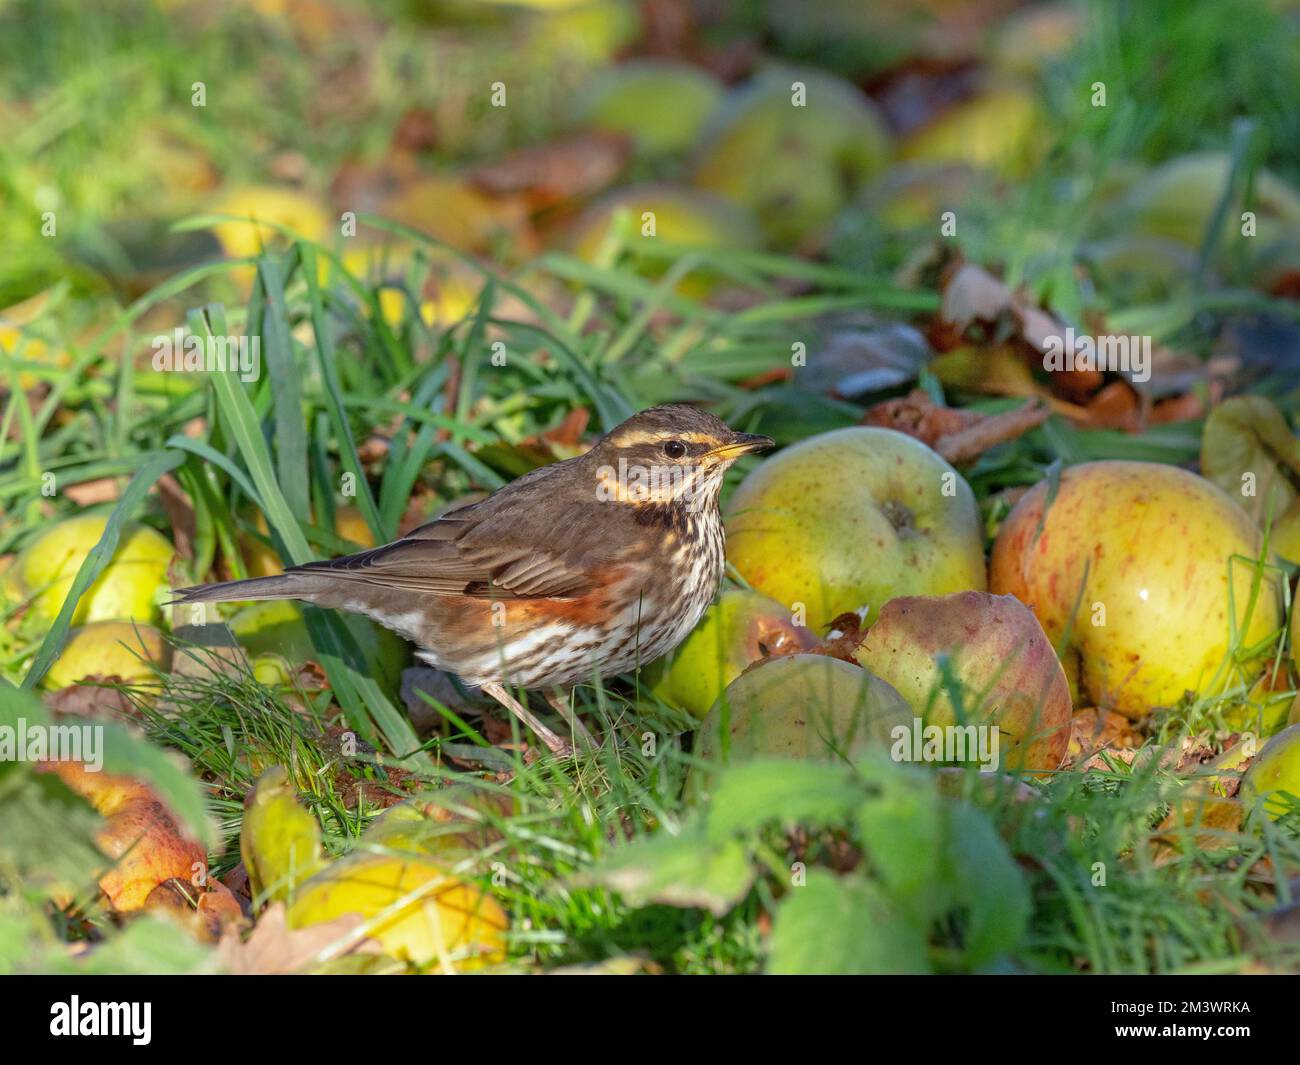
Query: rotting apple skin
[
  {"x": 997, "y": 650},
  {"x": 139, "y": 834},
  {"x": 853, "y": 518},
  {"x": 1151, "y": 544}
]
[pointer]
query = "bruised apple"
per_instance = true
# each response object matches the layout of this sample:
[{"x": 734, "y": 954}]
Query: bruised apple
[
  {"x": 851, "y": 519},
  {"x": 1128, "y": 572},
  {"x": 1005, "y": 671},
  {"x": 139, "y": 833},
  {"x": 738, "y": 630}
]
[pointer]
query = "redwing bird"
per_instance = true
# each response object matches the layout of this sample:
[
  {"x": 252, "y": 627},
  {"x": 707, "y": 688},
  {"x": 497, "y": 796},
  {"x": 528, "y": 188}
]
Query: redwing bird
[{"x": 586, "y": 567}]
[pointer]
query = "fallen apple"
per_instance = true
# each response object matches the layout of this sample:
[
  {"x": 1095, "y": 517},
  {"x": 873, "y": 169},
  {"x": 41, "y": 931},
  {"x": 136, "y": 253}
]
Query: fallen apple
[
  {"x": 661, "y": 105},
  {"x": 996, "y": 655},
  {"x": 792, "y": 147},
  {"x": 1274, "y": 775},
  {"x": 1179, "y": 198},
  {"x": 122, "y": 649},
  {"x": 1126, "y": 565},
  {"x": 735, "y": 632},
  {"x": 1001, "y": 129},
  {"x": 416, "y": 911},
  {"x": 139, "y": 834},
  {"x": 798, "y": 706},
  {"x": 279, "y": 840},
  {"x": 127, "y": 589},
  {"x": 260, "y": 215},
  {"x": 851, "y": 519},
  {"x": 659, "y": 215},
  {"x": 277, "y": 626},
  {"x": 1264, "y": 708},
  {"x": 458, "y": 822}
]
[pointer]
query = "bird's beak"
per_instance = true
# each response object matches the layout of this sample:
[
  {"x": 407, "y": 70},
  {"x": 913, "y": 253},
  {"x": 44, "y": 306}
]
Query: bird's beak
[{"x": 742, "y": 444}]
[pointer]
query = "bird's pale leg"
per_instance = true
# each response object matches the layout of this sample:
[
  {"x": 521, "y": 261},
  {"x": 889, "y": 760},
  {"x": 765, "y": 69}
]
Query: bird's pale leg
[
  {"x": 561, "y": 703},
  {"x": 556, "y": 744}
]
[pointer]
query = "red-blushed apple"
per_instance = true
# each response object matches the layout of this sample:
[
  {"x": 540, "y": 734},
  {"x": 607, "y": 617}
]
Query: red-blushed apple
[
  {"x": 738, "y": 630},
  {"x": 1127, "y": 567},
  {"x": 139, "y": 834},
  {"x": 1003, "y": 666},
  {"x": 853, "y": 518}
]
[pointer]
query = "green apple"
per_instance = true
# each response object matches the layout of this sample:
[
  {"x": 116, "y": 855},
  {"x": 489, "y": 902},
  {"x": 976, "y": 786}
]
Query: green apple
[
  {"x": 735, "y": 632},
  {"x": 793, "y": 147},
  {"x": 1133, "y": 569},
  {"x": 1178, "y": 199},
  {"x": 798, "y": 706},
  {"x": 851, "y": 519},
  {"x": 1000, "y": 659},
  {"x": 1275, "y": 770},
  {"x": 661, "y": 105}
]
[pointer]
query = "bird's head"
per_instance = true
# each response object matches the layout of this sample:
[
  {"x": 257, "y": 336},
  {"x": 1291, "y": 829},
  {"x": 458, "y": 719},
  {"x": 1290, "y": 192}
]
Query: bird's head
[{"x": 669, "y": 454}]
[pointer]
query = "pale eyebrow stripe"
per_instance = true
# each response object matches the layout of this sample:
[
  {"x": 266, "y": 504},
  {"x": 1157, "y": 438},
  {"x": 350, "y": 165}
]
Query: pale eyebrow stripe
[{"x": 631, "y": 439}]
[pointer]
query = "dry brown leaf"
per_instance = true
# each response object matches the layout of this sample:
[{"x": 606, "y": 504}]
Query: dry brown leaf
[
  {"x": 88, "y": 493},
  {"x": 557, "y": 171},
  {"x": 957, "y": 435},
  {"x": 1096, "y": 735},
  {"x": 273, "y": 948}
]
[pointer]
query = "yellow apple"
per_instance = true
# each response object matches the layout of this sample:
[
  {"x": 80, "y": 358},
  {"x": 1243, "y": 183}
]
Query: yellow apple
[
  {"x": 127, "y": 589},
  {"x": 1128, "y": 573},
  {"x": 851, "y": 519},
  {"x": 416, "y": 911},
  {"x": 1002, "y": 129},
  {"x": 121, "y": 649}
]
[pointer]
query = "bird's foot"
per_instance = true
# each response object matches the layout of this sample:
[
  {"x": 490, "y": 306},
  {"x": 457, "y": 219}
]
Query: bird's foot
[
  {"x": 555, "y": 743},
  {"x": 561, "y": 703}
]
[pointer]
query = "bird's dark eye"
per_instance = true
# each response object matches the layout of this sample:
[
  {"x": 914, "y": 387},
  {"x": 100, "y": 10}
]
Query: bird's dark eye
[{"x": 674, "y": 449}]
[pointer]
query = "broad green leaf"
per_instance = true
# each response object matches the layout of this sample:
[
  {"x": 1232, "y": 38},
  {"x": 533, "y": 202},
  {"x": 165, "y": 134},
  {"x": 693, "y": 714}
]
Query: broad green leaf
[
  {"x": 985, "y": 884},
  {"x": 790, "y": 792},
  {"x": 683, "y": 870},
  {"x": 902, "y": 830},
  {"x": 843, "y": 926}
]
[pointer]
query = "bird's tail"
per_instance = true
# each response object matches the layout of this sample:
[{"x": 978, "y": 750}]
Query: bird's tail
[{"x": 291, "y": 585}]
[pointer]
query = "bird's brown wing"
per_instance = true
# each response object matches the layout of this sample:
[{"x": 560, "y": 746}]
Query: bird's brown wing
[{"x": 501, "y": 548}]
